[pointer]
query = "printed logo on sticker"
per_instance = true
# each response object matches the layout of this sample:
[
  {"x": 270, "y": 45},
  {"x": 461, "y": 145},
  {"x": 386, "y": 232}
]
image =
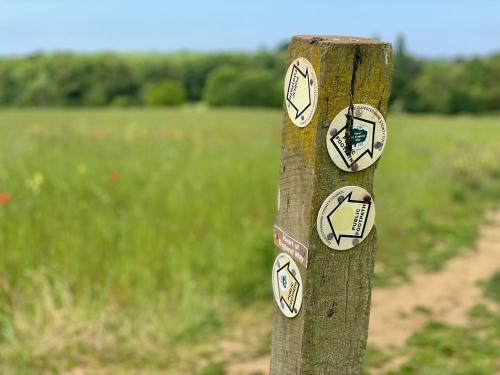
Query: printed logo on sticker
[
  {"x": 287, "y": 285},
  {"x": 346, "y": 217},
  {"x": 301, "y": 92},
  {"x": 368, "y": 138}
]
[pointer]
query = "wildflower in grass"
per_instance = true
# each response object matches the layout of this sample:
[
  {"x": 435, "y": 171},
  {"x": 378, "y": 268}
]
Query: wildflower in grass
[
  {"x": 255, "y": 214},
  {"x": 99, "y": 135},
  {"x": 115, "y": 177},
  {"x": 4, "y": 198},
  {"x": 35, "y": 183},
  {"x": 82, "y": 169}
]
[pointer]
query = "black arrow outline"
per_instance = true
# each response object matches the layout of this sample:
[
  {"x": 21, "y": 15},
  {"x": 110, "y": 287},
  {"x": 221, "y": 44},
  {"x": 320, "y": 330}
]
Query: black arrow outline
[
  {"x": 368, "y": 151},
  {"x": 306, "y": 76},
  {"x": 287, "y": 265},
  {"x": 348, "y": 198}
]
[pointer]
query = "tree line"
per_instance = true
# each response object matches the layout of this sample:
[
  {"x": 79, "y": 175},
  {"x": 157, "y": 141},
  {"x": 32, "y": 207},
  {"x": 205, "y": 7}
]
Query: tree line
[{"x": 231, "y": 79}]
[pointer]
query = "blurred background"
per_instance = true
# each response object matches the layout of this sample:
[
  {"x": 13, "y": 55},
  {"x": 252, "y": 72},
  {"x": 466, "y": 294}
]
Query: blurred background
[{"x": 139, "y": 160}]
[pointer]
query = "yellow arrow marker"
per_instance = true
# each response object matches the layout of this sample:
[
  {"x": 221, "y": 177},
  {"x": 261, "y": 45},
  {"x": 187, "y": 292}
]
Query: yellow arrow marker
[
  {"x": 287, "y": 285},
  {"x": 346, "y": 217},
  {"x": 368, "y": 138},
  {"x": 301, "y": 91}
]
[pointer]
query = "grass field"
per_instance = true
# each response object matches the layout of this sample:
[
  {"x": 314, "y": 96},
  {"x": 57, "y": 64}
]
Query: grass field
[{"x": 125, "y": 233}]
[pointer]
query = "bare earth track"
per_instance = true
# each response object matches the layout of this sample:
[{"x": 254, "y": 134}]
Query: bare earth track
[
  {"x": 397, "y": 312},
  {"x": 448, "y": 294}
]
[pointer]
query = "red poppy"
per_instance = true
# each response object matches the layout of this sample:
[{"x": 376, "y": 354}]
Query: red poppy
[
  {"x": 4, "y": 198},
  {"x": 99, "y": 135},
  {"x": 115, "y": 177},
  {"x": 255, "y": 214}
]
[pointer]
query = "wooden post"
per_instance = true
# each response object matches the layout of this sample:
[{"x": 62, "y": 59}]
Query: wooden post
[{"x": 329, "y": 333}]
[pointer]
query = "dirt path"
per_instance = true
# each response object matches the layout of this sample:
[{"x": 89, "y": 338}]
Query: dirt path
[
  {"x": 399, "y": 311},
  {"x": 447, "y": 295}
]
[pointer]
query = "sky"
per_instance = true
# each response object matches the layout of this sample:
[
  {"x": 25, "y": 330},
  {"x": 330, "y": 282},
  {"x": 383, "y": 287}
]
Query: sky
[{"x": 438, "y": 28}]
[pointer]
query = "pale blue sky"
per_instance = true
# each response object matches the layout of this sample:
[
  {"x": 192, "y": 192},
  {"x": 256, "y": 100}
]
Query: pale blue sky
[{"x": 432, "y": 28}]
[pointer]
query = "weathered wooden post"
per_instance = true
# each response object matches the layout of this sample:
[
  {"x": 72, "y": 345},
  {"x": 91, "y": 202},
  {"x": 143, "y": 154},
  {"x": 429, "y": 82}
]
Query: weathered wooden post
[{"x": 336, "y": 93}]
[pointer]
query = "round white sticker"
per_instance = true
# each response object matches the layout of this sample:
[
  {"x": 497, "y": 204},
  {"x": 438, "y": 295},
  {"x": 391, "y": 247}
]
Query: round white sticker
[
  {"x": 346, "y": 217},
  {"x": 287, "y": 285},
  {"x": 368, "y": 138},
  {"x": 301, "y": 92}
]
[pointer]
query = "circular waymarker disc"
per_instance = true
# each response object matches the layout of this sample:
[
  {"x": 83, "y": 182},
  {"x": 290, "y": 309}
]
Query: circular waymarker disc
[
  {"x": 301, "y": 92},
  {"x": 368, "y": 138},
  {"x": 346, "y": 217},
  {"x": 287, "y": 285}
]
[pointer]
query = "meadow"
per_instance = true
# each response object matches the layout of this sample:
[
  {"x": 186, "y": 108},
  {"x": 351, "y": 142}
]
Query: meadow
[{"x": 127, "y": 233}]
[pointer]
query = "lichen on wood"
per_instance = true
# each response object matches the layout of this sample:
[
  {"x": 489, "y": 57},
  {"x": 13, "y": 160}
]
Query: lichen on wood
[{"x": 329, "y": 334}]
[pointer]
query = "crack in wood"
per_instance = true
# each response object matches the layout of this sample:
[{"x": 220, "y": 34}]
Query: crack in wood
[
  {"x": 350, "y": 112},
  {"x": 333, "y": 310}
]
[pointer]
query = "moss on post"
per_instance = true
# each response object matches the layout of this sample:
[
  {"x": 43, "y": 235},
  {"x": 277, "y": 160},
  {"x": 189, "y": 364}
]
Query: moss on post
[{"x": 329, "y": 334}]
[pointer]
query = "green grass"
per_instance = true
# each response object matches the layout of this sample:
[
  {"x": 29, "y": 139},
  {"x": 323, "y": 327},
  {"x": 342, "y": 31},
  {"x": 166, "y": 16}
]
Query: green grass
[
  {"x": 443, "y": 349},
  {"x": 131, "y": 231},
  {"x": 492, "y": 287},
  {"x": 213, "y": 368}
]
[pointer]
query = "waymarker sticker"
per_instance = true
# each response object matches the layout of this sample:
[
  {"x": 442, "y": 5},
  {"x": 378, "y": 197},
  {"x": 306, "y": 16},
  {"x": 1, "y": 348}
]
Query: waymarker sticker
[
  {"x": 290, "y": 245},
  {"x": 301, "y": 92},
  {"x": 287, "y": 285},
  {"x": 368, "y": 138},
  {"x": 346, "y": 217}
]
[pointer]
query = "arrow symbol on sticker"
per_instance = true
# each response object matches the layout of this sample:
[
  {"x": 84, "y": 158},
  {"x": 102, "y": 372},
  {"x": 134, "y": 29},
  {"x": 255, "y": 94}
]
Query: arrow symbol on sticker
[
  {"x": 288, "y": 286},
  {"x": 348, "y": 218},
  {"x": 362, "y": 140},
  {"x": 299, "y": 91}
]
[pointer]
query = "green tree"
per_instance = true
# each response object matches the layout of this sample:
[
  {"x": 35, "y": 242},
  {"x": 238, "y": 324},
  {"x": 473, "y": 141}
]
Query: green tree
[
  {"x": 234, "y": 79},
  {"x": 220, "y": 87},
  {"x": 39, "y": 92},
  {"x": 166, "y": 93},
  {"x": 406, "y": 70},
  {"x": 433, "y": 87},
  {"x": 229, "y": 86},
  {"x": 477, "y": 88}
]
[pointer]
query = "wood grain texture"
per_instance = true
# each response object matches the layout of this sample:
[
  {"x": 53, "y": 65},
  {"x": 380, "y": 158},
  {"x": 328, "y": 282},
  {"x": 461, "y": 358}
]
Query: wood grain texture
[{"x": 329, "y": 335}]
